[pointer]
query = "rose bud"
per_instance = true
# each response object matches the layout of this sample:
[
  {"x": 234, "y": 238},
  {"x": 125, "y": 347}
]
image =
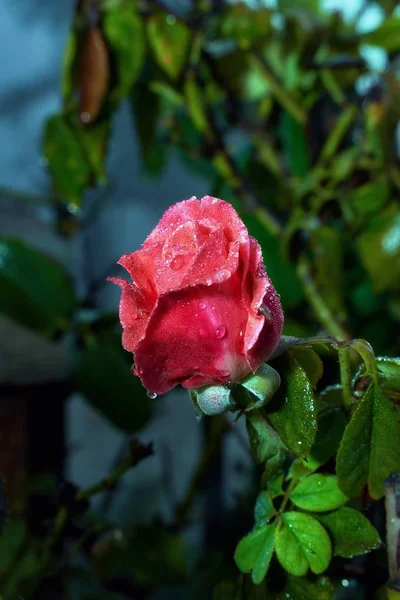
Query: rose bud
[{"x": 200, "y": 309}]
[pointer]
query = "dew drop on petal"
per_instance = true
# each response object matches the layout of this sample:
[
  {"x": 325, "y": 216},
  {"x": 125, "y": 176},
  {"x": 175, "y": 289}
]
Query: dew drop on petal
[
  {"x": 151, "y": 395},
  {"x": 202, "y": 305},
  {"x": 177, "y": 263},
  {"x": 220, "y": 332},
  {"x": 208, "y": 282}
]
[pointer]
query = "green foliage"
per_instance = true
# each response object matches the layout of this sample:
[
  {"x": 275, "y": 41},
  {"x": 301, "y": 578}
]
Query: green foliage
[
  {"x": 352, "y": 534},
  {"x": 364, "y": 455},
  {"x": 263, "y": 385},
  {"x": 254, "y": 552},
  {"x": 300, "y": 588},
  {"x": 103, "y": 377},
  {"x": 318, "y": 493},
  {"x": 302, "y": 543},
  {"x": 295, "y": 416},
  {"x": 169, "y": 41},
  {"x": 34, "y": 290}
]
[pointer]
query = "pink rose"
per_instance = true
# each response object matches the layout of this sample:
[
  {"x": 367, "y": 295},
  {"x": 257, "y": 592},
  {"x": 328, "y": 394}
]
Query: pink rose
[{"x": 201, "y": 309}]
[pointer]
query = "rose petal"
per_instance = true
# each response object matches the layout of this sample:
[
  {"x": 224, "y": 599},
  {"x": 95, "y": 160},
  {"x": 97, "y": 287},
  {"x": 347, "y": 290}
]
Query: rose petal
[{"x": 195, "y": 337}]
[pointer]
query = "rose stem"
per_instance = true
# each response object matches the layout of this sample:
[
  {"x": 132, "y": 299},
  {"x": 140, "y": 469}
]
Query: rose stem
[{"x": 392, "y": 503}]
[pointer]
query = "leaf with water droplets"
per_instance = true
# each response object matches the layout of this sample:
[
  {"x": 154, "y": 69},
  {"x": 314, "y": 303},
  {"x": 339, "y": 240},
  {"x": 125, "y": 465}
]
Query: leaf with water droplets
[
  {"x": 318, "y": 493},
  {"x": 301, "y": 542},
  {"x": 364, "y": 455},
  {"x": 292, "y": 411},
  {"x": 254, "y": 552},
  {"x": 351, "y": 533}
]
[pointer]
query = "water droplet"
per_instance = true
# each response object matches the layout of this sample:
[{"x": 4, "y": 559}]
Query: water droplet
[
  {"x": 177, "y": 263},
  {"x": 85, "y": 117},
  {"x": 240, "y": 333},
  {"x": 221, "y": 275},
  {"x": 220, "y": 332},
  {"x": 202, "y": 305},
  {"x": 208, "y": 282},
  {"x": 299, "y": 443},
  {"x": 345, "y": 582},
  {"x": 151, "y": 395}
]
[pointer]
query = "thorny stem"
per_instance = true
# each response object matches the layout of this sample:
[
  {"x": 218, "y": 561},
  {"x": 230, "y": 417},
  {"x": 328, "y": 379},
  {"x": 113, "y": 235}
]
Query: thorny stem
[{"x": 392, "y": 504}]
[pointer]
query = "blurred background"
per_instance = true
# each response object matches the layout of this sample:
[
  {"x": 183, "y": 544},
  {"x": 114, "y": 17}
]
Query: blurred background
[{"x": 111, "y": 111}]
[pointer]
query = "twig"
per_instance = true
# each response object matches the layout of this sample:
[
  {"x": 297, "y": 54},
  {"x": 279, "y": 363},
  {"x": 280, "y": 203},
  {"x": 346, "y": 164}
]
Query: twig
[
  {"x": 322, "y": 311},
  {"x": 345, "y": 375}
]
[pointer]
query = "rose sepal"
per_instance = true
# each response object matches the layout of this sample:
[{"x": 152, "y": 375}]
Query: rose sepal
[{"x": 262, "y": 385}]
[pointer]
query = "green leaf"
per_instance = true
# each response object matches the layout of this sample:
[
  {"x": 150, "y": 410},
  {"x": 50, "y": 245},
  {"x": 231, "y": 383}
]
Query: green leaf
[
  {"x": 293, "y": 413},
  {"x": 264, "y": 509},
  {"x": 370, "y": 197},
  {"x": 301, "y": 542},
  {"x": 352, "y": 534},
  {"x": 331, "y": 425},
  {"x": 274, "y": 488},
  {"x": 279, "y": 269},
  {"x": 169, "y": 40},
  {"x": 263, "y": 384},
  {"x": 146, "y": 110},
  {"x": 385, "y": 35},
  {"x": 34, "y": 289},
  {"x": 254, "y": 552},
  {"x": 94, "y": 141},
  {"x": 318, "y": 493},
  {"x": 267, "y": 448},
  {"x": 300, "y": 588},
  {"x": 66, "y": 160},
  {"x": 379, "y": 249},
  {"x": 104, "y": 377},
  {"x": 124, "y": 31},
  {"x": 67, "y": 83},
  {"x": 364, "y": 454},
  {"x": 327, "y": 246},
  {"x": 171, "y": 97},
  {"x": 389, "y": 375},
  {"x": 295, "y": 145},
  {"x": 244, "y": 24},
  {"x": 310, "y": 361},
  {"x": 195, "y": 102}
]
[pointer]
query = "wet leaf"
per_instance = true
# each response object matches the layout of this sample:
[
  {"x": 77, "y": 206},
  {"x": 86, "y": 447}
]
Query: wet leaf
[
  {"x": 124, "y": 31},
  {"x": 67, "y": 162},
  {"x": 34, "y": 290},
  {"x": 293, "y": 413},
  {"x": 331, "y": 425},
  {"x": 318, "y": 493},
  {"x": 169, "y": 40},
  {"x": 104, "y": 377},
  {"x": 301, "y": 542},
  {"x": 352, "y": 534},
  {"x": 379, "y": 249},
  {"x": 310, "y": 362},
  {"x": 389, "y": 375},
  {"x": 254, "y": 552},
  {"x": 264, "y": 509},
  {"x": 267, "y": 449},
  {"x": 364, "y": 455}
]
